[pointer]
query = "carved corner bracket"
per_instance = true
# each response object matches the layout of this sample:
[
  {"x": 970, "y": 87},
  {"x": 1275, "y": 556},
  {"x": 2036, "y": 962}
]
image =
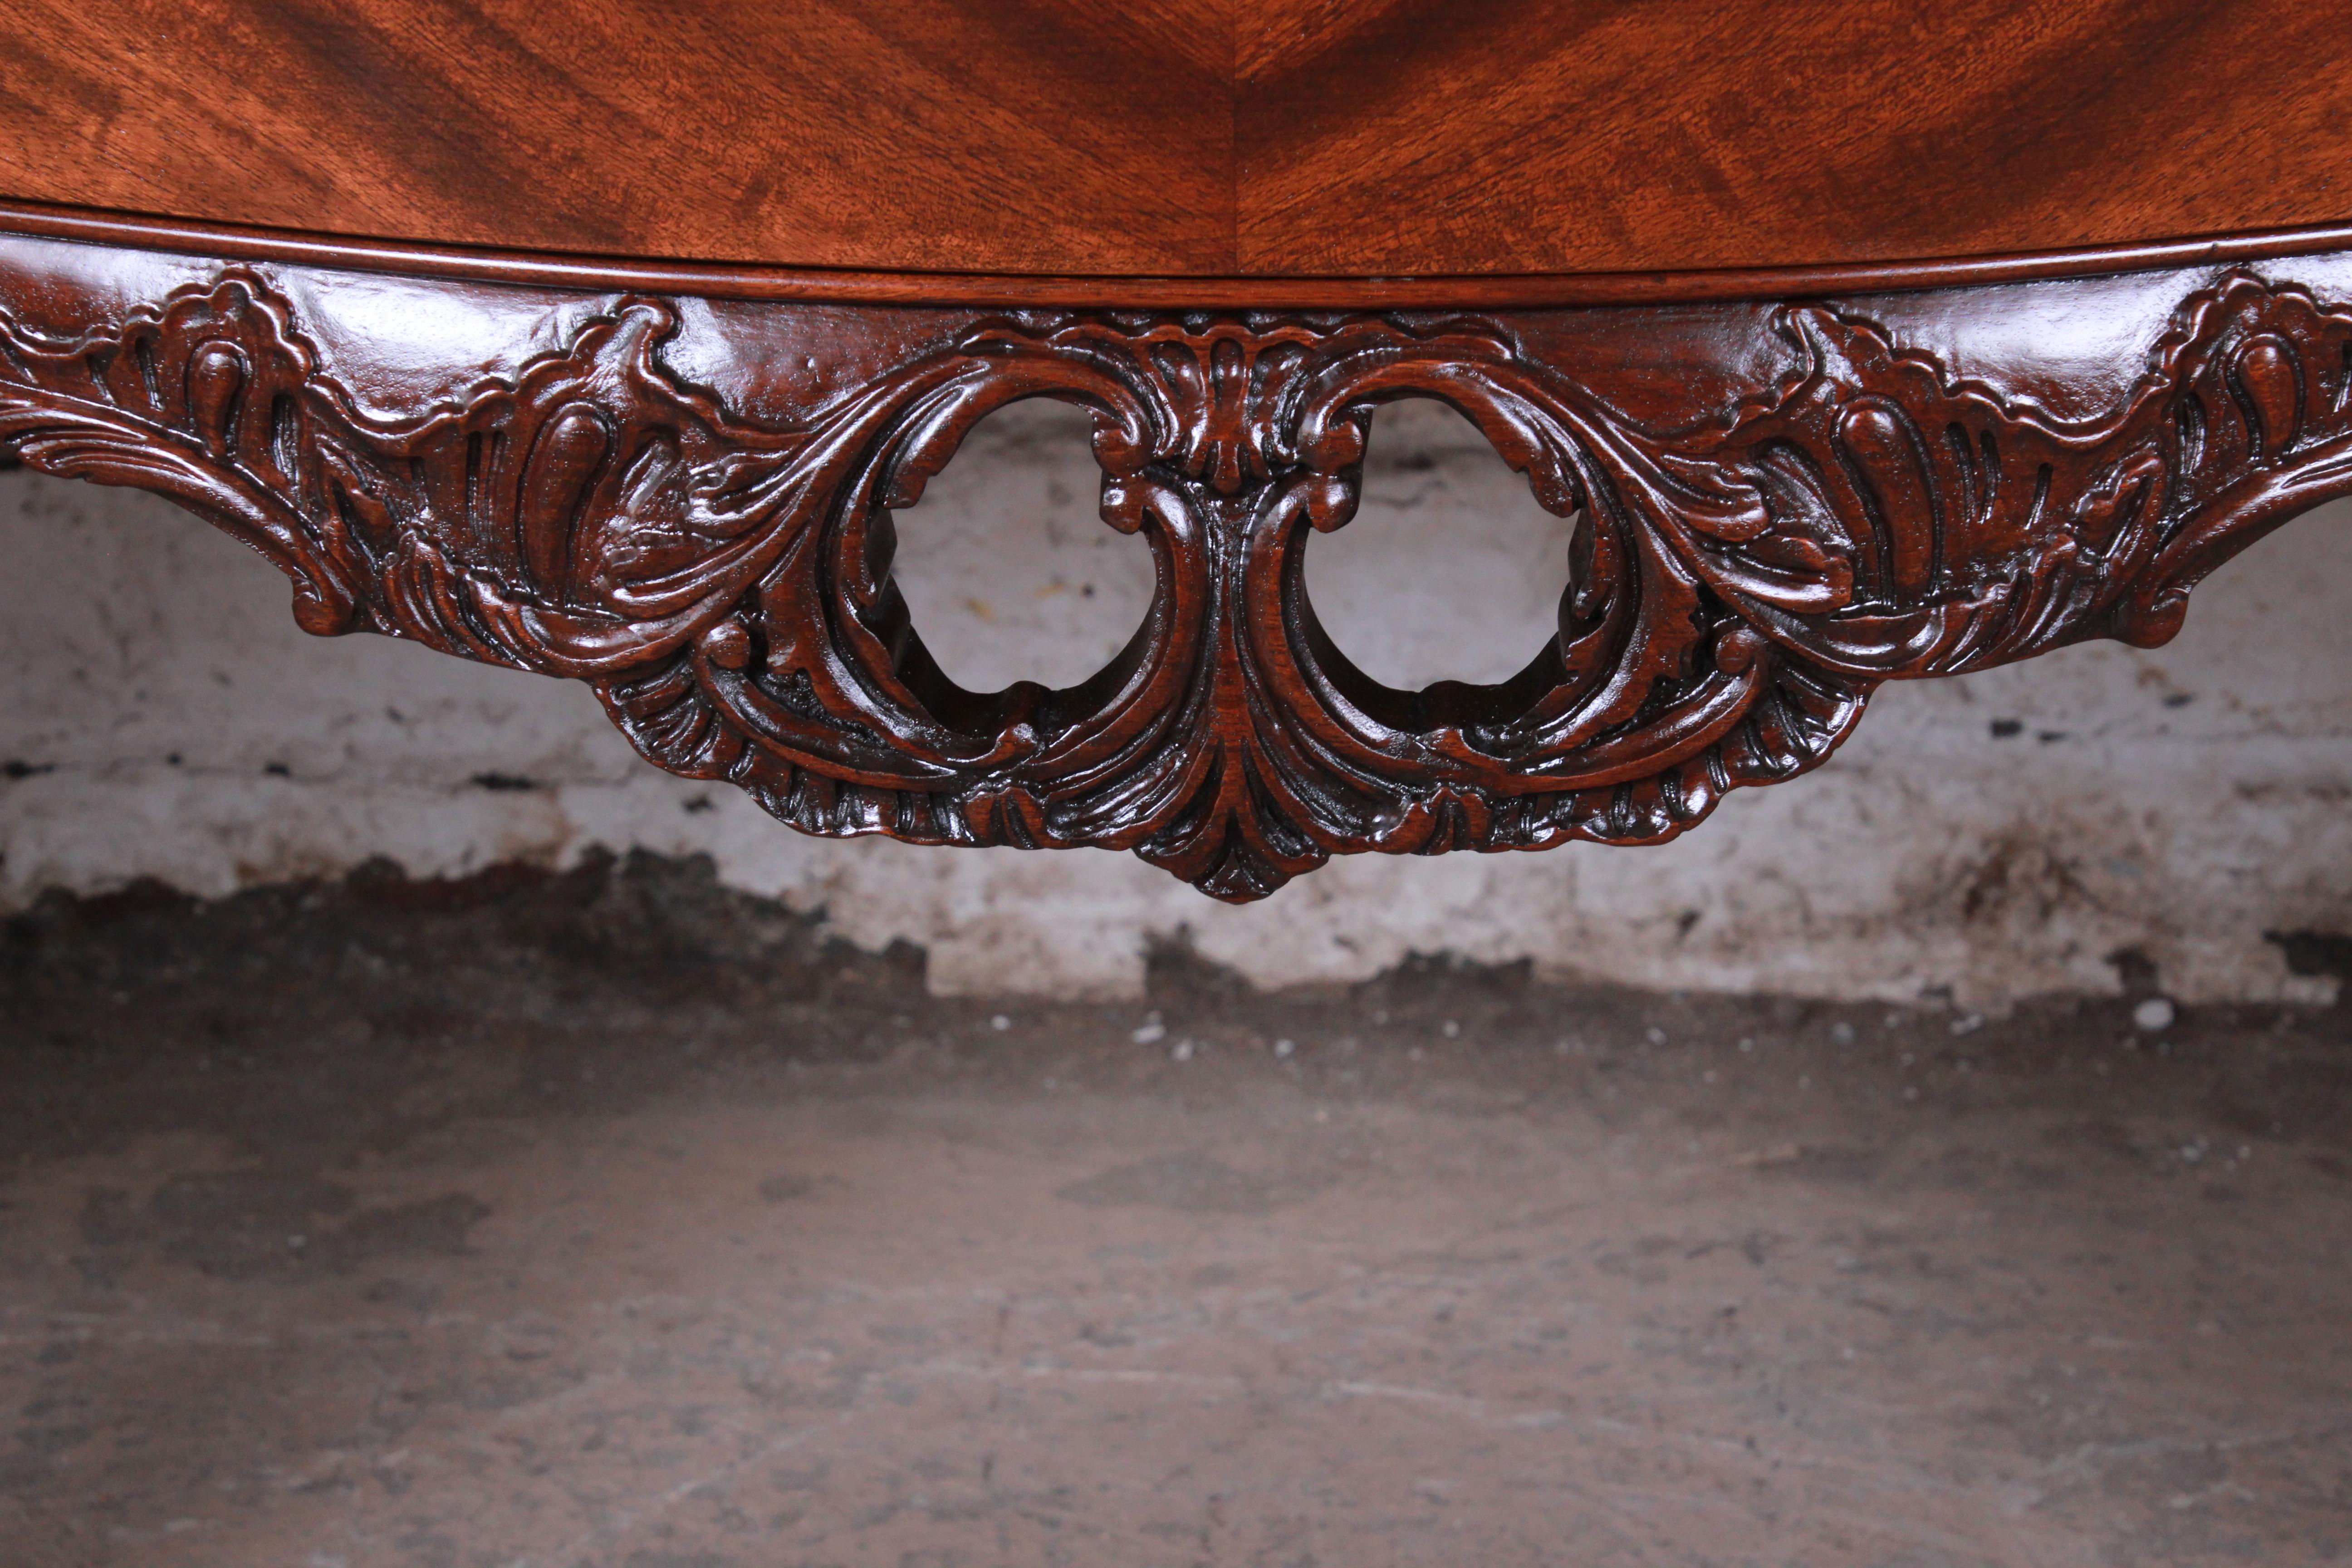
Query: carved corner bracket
[{"x": 1757, "y": 552}]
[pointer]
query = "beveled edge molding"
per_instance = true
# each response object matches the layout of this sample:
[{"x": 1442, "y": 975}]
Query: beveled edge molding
[
  {"x": 736, "y": 280},
  {"x": 1754, "y": 560}
]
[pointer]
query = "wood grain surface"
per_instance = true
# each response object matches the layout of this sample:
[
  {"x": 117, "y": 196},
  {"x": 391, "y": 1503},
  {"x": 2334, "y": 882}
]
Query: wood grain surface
[{"x": 1192, "y": 137}]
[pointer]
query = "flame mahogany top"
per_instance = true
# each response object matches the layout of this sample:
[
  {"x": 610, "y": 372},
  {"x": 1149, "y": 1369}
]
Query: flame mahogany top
[{"x": 1192, "y": 138}]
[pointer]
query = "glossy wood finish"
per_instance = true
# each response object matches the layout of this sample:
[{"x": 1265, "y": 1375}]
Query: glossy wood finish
[
  {"x": 1048, "y": 135},
  {"x": 687, "y": 503},
  {"x": 483, "y": 264},
  {"x": 1422, "y": 135},
  {"x": 1192, "y": 137}
]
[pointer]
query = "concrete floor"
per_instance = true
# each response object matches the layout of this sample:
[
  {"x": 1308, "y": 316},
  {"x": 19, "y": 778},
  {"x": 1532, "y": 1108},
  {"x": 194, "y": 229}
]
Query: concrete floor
[{"x": 612, "y": 1220}]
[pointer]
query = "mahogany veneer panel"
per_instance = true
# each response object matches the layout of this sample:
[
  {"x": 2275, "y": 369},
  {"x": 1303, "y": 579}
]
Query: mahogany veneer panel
[
  {"x": 1532, "y": 137},
  {"x": 947, "y": 134},
  {"x": 1193, "y": 136}
]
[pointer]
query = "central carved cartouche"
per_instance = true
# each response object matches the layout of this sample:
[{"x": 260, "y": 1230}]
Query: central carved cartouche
[{"x": 1739, "y": 584}]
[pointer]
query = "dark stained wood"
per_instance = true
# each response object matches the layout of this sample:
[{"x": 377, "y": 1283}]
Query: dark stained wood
[
  {"x": 1617, "y": 135},
  {"x": 687, "y": 504},
  {"x": 1520, "y": 290},
  {"x": 1200, "y": 138},
  {"x": 1051, "y": 134}
]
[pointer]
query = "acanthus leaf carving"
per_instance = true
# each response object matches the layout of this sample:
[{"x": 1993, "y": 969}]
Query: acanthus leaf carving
[{"x": 1740, "y": 586}]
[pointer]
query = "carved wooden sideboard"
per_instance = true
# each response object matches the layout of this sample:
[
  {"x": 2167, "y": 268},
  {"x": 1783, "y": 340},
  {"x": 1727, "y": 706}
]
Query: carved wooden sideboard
[{"x": 600, "y": 337}]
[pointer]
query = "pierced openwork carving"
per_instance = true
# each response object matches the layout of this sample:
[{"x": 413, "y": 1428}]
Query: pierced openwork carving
[{"x": 1740, "y": 586}]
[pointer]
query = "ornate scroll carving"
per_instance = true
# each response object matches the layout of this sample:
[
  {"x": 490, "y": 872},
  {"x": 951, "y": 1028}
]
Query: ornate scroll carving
[{"x": 1740, "y": 583}]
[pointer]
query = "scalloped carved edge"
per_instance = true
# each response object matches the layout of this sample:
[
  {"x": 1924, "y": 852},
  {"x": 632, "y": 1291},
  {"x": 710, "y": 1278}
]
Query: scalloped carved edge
[{"x": 1740, "y": 586}]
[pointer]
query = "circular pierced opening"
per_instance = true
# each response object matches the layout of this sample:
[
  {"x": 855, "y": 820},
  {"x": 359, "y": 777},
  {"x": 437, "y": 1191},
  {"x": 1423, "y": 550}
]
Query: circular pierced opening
[
  {"x": 1450, "y": 570},
  {"x": 1006, "y": 567}
]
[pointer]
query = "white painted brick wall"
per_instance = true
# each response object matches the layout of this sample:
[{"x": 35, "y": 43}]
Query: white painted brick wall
[{"x": 2183, "y": 801}]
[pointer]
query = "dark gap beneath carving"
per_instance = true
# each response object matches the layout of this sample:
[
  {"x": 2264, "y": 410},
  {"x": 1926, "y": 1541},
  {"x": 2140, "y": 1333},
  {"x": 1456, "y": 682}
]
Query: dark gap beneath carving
[
  {"x": 2191, "y": 414},
  {"x": 100, "y": 362},
  {"x": 1956, "y": 437},
  {"x": 285, "y": 436},
  {"x": 145, "y": 349}
]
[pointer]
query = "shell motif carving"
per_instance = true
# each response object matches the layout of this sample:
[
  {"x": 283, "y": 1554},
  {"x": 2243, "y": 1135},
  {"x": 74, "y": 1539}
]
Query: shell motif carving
[{"x": 1737, "y": 588}]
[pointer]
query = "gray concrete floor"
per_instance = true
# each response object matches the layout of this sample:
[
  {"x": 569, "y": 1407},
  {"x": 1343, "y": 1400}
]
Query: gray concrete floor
[{"x": 614, "y": 1221}]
